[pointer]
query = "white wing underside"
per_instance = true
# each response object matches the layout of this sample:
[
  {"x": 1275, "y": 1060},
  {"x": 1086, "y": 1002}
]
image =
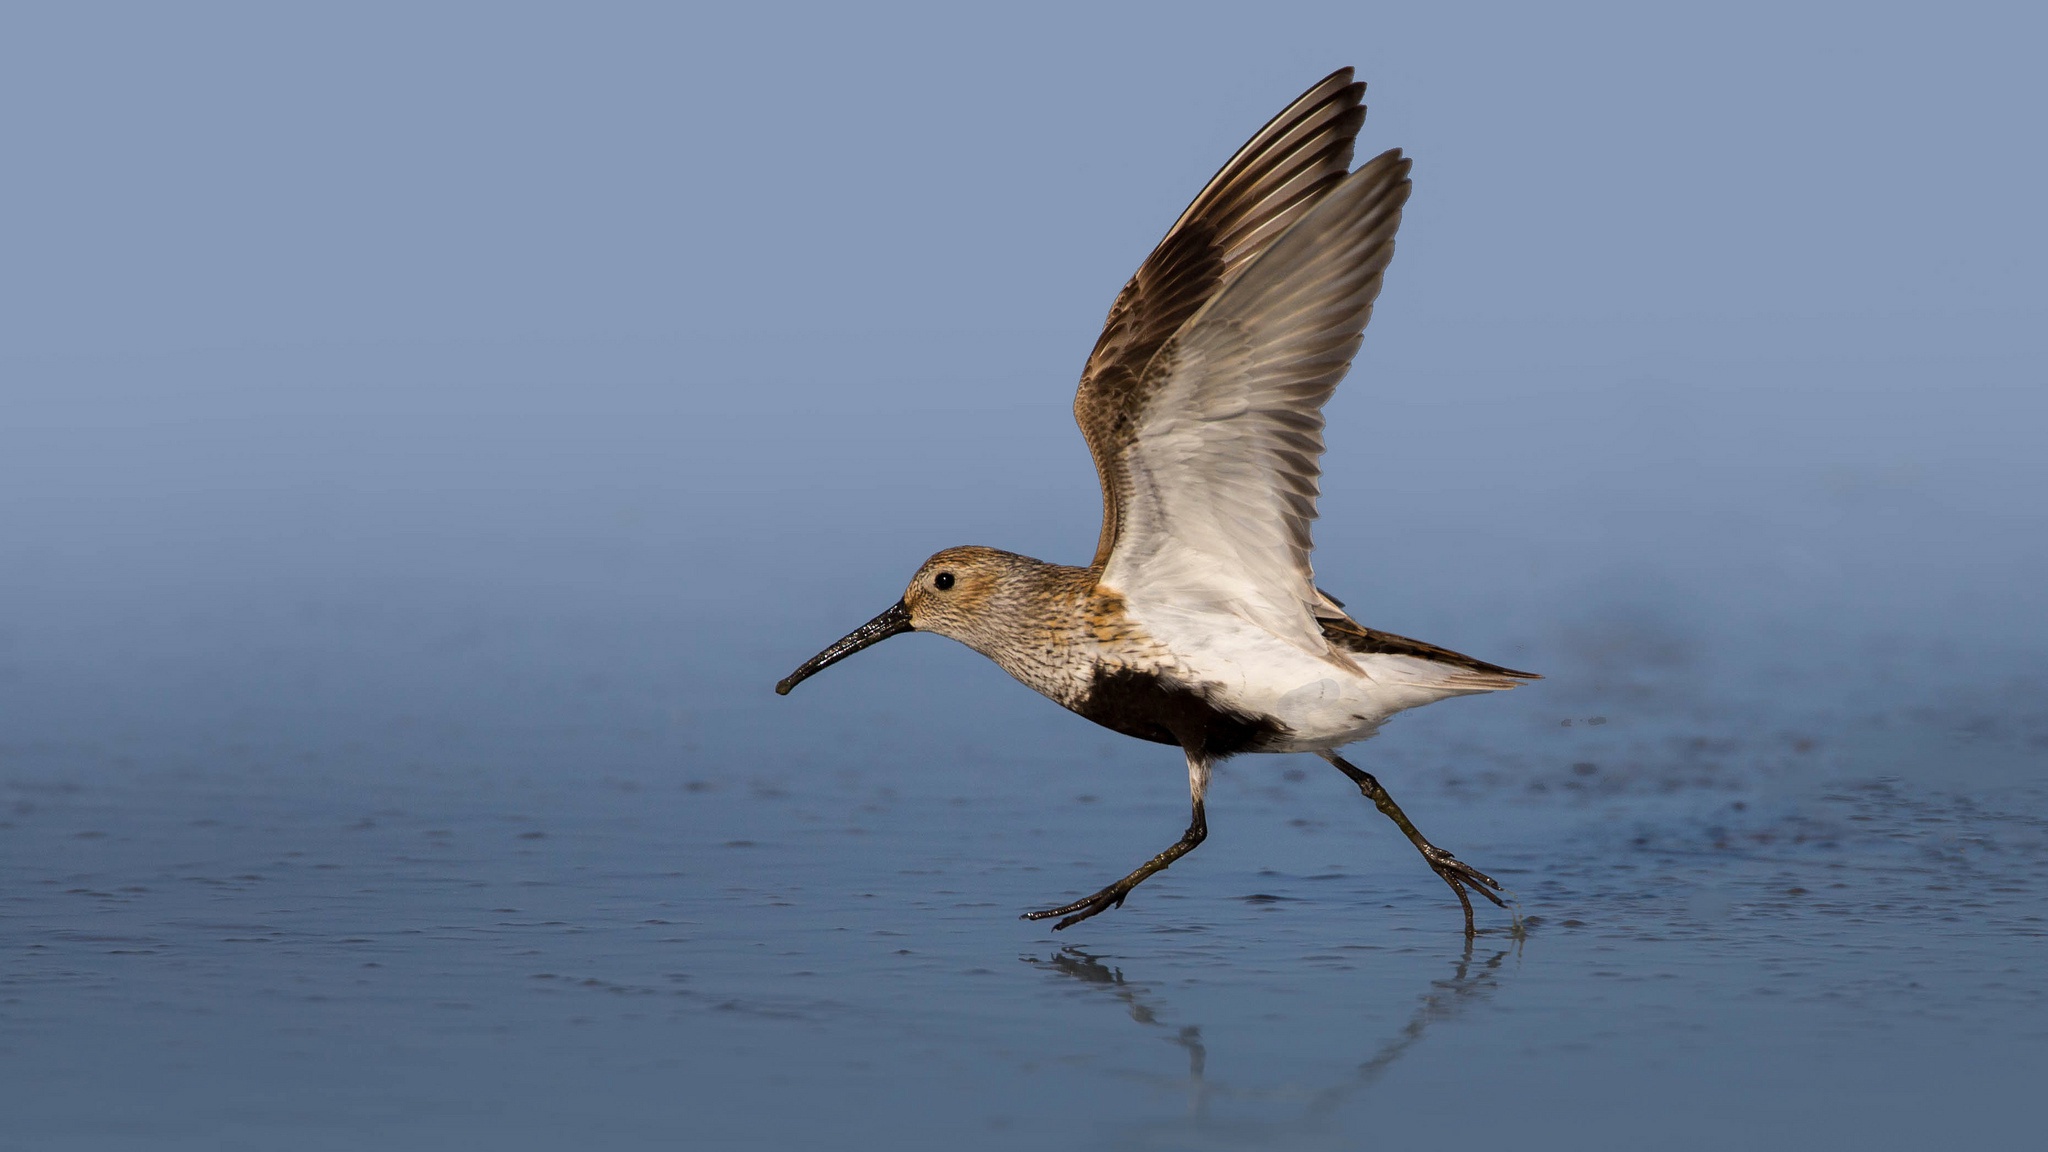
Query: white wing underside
[{"x": 1221, "y": 477}]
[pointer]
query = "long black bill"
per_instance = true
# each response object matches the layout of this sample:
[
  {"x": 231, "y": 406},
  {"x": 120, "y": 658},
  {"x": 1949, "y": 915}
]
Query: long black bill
[{"x": 895, "y": 620}]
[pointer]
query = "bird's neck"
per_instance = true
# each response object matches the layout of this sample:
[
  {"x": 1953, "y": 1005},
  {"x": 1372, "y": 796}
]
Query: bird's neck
[{"x": 1049, "y": 627}]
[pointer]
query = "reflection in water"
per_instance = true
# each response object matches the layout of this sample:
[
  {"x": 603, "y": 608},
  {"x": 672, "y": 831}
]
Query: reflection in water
[
  {"x": 1135, "y": 997},
  {"x": 1472, "y": 981},
  {"x": 1467, "y": 987}
]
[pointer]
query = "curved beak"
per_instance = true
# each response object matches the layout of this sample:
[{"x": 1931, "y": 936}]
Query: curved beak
[{"x": 895, "y": 620}]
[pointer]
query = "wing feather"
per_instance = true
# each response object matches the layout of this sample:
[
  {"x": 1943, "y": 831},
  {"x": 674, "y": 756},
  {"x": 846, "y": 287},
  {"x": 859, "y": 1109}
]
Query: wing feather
[
  {"x": 1275, "y": 179},
  {"x": 1222, "y": 472}
]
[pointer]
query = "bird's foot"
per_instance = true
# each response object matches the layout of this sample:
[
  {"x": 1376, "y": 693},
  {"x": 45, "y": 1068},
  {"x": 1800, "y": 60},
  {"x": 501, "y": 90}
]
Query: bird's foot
[
  {"x": 1460, "y": 875},
  {"x": 1079, "y": 910}
]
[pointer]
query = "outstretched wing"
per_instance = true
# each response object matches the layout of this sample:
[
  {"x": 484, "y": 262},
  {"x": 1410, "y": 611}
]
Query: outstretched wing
[
  {"x": 1218, "y": 479},
  {"x": 1270, "y": 184}
]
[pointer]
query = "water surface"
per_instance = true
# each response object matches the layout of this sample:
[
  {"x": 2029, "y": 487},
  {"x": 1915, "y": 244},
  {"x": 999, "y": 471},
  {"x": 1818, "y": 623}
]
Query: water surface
[{"x": 421, "y": 871}]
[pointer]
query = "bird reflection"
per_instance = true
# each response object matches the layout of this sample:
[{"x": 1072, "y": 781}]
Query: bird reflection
[{"x": 1474, "y": 977}]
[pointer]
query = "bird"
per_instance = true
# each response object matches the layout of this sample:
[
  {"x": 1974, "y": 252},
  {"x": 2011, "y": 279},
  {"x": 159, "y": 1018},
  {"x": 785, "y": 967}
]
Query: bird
[{"x": 1199, "y": 622}]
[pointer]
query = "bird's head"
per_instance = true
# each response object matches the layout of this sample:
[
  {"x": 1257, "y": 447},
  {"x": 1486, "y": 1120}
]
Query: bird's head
[{"x": 950, "y": 595}]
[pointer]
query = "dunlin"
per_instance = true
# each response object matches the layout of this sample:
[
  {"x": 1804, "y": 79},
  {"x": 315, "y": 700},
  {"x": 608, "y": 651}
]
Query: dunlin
[{"x": 1199, "y": 622}]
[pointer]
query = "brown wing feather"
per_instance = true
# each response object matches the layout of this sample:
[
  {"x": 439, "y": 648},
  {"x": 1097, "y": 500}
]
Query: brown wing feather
[{"x": 1269, "y": 184}]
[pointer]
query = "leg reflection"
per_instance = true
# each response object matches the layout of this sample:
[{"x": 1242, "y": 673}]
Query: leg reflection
[
  {"x": 1475, "y": 976},
  {"x": 1139, "y": 1002},
  {"x": 1467, "y": 985}
]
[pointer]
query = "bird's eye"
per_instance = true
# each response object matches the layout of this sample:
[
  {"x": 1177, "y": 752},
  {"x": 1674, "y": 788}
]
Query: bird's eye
[{"x": 943, "y": 581}]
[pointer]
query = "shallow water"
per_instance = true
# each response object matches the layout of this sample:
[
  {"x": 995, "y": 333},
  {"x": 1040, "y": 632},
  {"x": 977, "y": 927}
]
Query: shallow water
[
  {"x": 376, "y": 772},
  {"x": 423, "y": 870}
]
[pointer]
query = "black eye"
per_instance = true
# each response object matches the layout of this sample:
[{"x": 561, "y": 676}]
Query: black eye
[{"x": 943, "y": 581}]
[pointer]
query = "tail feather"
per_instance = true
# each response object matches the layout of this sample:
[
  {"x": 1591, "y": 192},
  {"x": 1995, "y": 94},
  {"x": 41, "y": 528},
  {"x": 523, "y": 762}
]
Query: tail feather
[{"x": 1431, "y": 665}]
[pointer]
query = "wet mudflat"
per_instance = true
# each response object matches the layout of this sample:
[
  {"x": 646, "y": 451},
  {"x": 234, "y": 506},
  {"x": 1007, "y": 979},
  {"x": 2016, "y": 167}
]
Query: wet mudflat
[
  {"x": 528, "y": 882},
  {"x": 399, "y": 767}
]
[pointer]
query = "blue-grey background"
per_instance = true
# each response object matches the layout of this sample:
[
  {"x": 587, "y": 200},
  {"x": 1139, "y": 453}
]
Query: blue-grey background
[{"x": 427, "y": 431}]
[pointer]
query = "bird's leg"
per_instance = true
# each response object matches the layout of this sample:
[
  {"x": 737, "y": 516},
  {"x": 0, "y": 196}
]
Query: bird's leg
[
  {"x": 1113, "y": 896},
  {"x": 1455, "y": 872}
]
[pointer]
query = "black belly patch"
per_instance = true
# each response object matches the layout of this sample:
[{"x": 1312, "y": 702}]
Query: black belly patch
[{"x": 1152, "y": 707}]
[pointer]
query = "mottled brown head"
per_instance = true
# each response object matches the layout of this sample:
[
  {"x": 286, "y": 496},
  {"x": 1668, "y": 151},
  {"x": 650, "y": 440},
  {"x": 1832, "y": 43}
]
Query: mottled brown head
[
  {"x": 954, "y": 591},
  {"x": 990, "y": 600},
  {"x": 971, "y": 594}
]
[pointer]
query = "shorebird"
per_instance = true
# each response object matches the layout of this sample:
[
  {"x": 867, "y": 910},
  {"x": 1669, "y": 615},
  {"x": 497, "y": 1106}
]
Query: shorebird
[{"x": 1199, "y": 623}]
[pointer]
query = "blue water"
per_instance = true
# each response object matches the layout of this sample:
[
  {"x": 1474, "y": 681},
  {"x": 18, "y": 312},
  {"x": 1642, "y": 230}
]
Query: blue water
[{"x": 520, "y": 850}]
